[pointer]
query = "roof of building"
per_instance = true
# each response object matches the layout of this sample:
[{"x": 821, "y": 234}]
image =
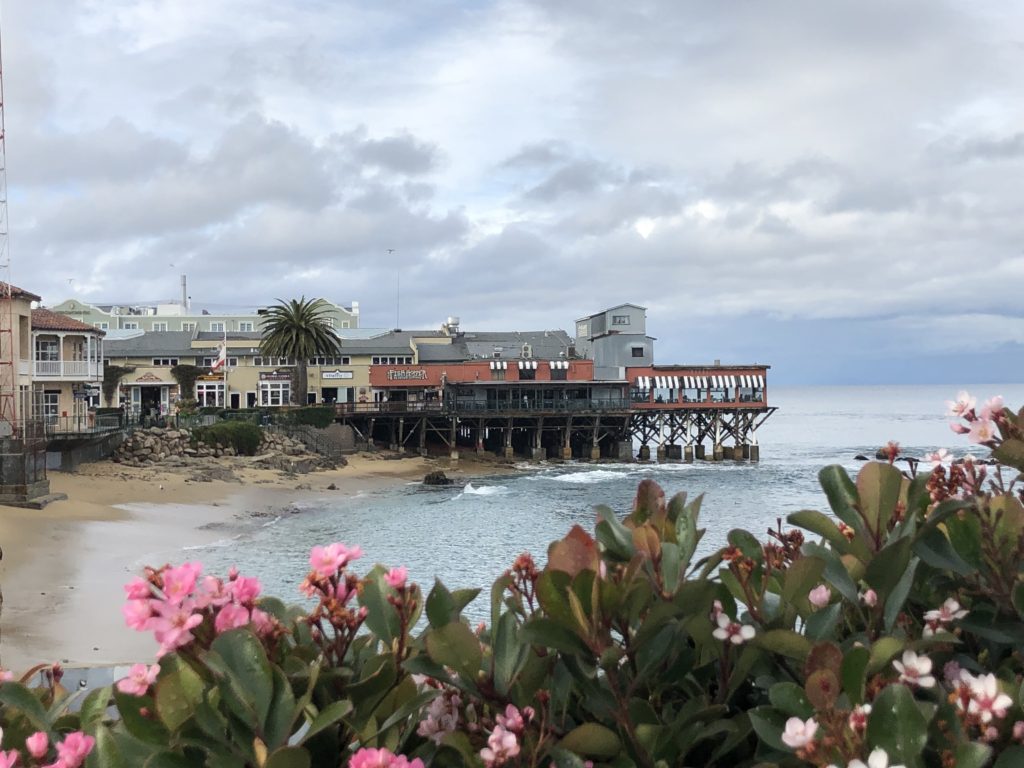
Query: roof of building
[
  {"x": 20, "y": 293},
  {"x": 610, "y": 309},
  {"x": 543, "y": 345},
  {"x": 45, "y": 320},
  {"x": 152, "y": 343}
]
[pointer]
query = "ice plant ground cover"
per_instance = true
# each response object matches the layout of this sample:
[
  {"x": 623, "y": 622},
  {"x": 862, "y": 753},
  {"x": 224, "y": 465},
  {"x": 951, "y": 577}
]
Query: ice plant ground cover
[{"x": 885, "y": 633}]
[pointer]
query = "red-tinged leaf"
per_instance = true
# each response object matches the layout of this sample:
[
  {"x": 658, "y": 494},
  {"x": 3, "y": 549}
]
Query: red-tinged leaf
[{"x": 576, "y": 552}]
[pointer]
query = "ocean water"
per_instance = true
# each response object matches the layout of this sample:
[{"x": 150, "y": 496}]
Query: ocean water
[{"x": 466, "y": 536}]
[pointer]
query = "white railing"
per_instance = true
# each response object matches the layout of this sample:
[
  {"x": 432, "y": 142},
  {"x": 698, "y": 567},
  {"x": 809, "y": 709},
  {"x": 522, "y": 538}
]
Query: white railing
[{"x": 75, "y": 369}]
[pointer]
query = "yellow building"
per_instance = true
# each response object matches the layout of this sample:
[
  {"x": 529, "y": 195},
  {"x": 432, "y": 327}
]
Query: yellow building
[{"x": 66, "y": 370}]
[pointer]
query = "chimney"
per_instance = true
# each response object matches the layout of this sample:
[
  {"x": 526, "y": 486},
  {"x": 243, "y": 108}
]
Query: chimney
[{"x": 184, "y": 294}]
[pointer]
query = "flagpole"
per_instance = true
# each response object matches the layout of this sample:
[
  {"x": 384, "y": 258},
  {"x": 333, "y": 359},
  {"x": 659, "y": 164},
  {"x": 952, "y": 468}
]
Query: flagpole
[{"x": 225, "y": 365}]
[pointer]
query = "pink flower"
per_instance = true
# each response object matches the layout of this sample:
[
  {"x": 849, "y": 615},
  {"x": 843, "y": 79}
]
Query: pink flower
[
  {"x": 140, "y": 677},
  {"x": 367, "y": 757},
  {"x": 939, "y": 458},
  {"x": 878, "y": 758},
  {"x": 858, "y": 719},
  {"x": 232, "y": 573},
  {"x": 735, "y": 633},
  {"x": 73, "y": 750},
  {"x": 963, "y": 405},
  {"x": 442, "y": 717},
  {"x": 915, "y": 670},
  {"x": 1018, "y": 730},
  {"x": 501, "y": 746},
  {"x": 9, "y": 759},
  {"x": 326, "y": 561},
  {"x": 244, "y": 589},
  {"x": 959, "y": 428},
  {"x": 138, "y": 589},
  {"x": 137, "y": 614},
  {"x": 992, "y": 408},
  {"x": 982, "y": 431},
  {"x": 171, "y": 625},
  {"x": 819, "y": 596},
  {"x": 949, "y": 611},
  {"x": 799, "y": 733},
  {"x": 869, "y": 597},
  {"x": 179, "y": 582},
  {"x": 396, "y": 577},
  {"x": 231, "y": 616},
  {"x": 987, "y": 701},
  {"x": 262, "y": 624},
  {"x": 6, "y": 675},
  {"x": 37, "y": 744},
  {"x": 210, "y": 592},
  {"x": 512, "y": 720}
]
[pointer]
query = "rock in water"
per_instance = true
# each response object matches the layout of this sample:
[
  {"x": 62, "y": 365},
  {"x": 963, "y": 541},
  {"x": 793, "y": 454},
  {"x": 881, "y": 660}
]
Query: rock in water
[{"x": 437, "y": 478}]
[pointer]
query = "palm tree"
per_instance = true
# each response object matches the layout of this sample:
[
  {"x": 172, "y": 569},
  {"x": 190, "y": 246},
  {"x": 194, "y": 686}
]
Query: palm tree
[{"x": 298, "y": 329}]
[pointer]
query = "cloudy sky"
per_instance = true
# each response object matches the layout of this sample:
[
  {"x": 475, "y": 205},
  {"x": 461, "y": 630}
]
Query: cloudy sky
[{"x": 835, "y": 187}]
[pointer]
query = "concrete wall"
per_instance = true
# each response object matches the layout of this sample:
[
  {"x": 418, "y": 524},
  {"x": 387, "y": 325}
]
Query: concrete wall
[{"x": 616, "y": 350}]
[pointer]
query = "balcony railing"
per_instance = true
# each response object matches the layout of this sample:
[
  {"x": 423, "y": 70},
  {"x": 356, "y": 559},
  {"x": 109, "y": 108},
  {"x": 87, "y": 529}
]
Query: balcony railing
[{"x": 67, "y": 369}]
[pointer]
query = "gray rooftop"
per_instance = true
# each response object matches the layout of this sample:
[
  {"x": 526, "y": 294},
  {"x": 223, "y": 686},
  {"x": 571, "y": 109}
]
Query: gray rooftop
[{"x": 177, "y": 343}]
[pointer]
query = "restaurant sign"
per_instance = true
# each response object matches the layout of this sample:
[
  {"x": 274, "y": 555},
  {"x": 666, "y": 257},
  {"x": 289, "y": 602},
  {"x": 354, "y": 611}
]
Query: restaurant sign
[
  {"x": 275, "y": 376},
  {"x": 336, "y": 375},
  {"x": 404, "y": 375}
]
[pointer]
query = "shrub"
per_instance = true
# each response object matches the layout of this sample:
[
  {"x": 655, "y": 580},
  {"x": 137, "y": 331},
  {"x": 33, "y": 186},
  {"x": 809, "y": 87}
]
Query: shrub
[
  {"x": 315, "y": 416},
  {"x": 243, "y": 436},
  {"x": 889, "y": 630}
]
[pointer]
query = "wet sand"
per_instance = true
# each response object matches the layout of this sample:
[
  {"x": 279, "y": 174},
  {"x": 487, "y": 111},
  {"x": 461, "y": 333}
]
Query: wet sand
[{"x": 64, "y": 566}]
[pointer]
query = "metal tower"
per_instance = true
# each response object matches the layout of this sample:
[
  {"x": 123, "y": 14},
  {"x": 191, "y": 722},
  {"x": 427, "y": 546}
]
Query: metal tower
[{"x": 8, "y": 371}]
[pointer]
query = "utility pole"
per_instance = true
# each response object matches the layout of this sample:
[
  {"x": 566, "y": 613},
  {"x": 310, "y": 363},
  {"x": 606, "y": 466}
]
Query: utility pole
[
  {"x": 398, "y": 292},
  {"x": 8, "y": 371}
]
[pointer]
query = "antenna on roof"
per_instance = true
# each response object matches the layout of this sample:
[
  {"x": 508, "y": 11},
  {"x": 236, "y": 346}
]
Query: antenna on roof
[{"x": 398, "y": 292}]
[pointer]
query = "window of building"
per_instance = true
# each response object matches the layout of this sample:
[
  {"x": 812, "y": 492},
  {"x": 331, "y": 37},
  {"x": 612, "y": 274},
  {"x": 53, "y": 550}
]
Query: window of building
[
  {"x": 159, "y": 326},
  {"x": 392, "y": 360},
  {"x": 232, "y": 362},
  {"x": 336, "y": 360},
  {"x": 527, "y": 374},
  {"x": 345, "y": 324},
  {"x": 581, "y": 329},
  {"x": 210, "y": 393},
  {"x": 275, "y": 393},
  {"x": 329, "y": 322},
  {"x": 217, "y": 327},
  {"x": 50, "y": 406},
  {"x": 620, "y": 319},
  {"x": 498, "y": 375},
  {"x": 47, "y": 349},
  {"x": 188, "y": 326},
  {"x": 637, "y": 351},
  {"x": 165, "y": 361},
  {"x": 246, "y": 325},
  {"x": 102, "y": 326},
  {"x": 129, "y": 326},
  {"x": 271, "y": 361},
  {"x": 559, "y": 374}
]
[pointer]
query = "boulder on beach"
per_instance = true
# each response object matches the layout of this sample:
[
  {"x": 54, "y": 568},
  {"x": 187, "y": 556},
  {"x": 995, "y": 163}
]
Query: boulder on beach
[{"x": 437, "y": 477}]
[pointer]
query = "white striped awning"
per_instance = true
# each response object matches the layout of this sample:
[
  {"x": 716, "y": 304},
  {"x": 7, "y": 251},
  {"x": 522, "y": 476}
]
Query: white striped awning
[
  {"x": 675, "y": 382},
  {"x": 760, "y": 381},
  {"x": 494, "y": 365},
  {"x": 744, "y": 381},
  {"x": 559, "y": 365},
  {"x": 732, "y": 381},
  {"x": 533, "y": 364}
]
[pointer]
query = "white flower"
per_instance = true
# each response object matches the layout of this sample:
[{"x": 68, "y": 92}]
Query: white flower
[
  {"x": 992, "y": 408},
  {"x": 819, "y": 596},
  {"x": 986, "y": 700},
  {"x": 938, "y": 618},
  {"x": 799, "y": 733},
  {"x": 877, "y": 759},
  {"x": 964, "y": 403},
  {"x": 858, "y": 719},
  {"x": 735, "y": 633},
  {"x": 939, "y": 458},
  {"x": 915, "y": 670}
]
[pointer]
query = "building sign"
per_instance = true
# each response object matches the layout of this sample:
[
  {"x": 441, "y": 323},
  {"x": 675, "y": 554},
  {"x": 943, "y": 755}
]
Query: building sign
[
  {"x": 336, "y": 375},
  {"x": 419, "y": 375},
  {"x": 275, "y": 376},
  {"x": 150, "y": 377}
]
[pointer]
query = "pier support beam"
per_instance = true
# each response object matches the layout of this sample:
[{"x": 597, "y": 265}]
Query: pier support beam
[
  {"x": 509, "y": 453},
  {"x": 674, "y": 452},
  {"x": 699, "y": 451},
  {"x": 400, "y": 442},
  {"x": 688, "y": 454},
  {"x": 661, "y": 453},
  {"x": 755, "y": 452},
  {"x": 480, "y": 437},
  {"x": 737, "y": 453},
  {"x": 645, "y": 453},
  {"x": 423, "y": 436},
  {"x": 453, "y": 446},
  {"x": 717, "y": 452}
]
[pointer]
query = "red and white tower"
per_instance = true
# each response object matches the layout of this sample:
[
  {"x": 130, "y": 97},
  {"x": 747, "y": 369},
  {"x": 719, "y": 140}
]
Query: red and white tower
[{"x": 8, "y": 362}]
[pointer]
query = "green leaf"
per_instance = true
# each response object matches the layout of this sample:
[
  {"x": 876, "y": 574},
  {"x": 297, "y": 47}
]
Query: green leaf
[
  {"x": 841, "y": 494},
  {"x": 509, "y": 653},
  {"x": 145, "y": 728},
  {"x": 769, "y": 724},
  {"x": 461, "y": 598},
  {"x": 934, "y": 549},
  {"x": 897, "y": 725},
  {"x": 455, "y": 645},
  {"x": 283, "y": 712},
  {"x": 1011, "y": 757},
  {"x": 247, "y": 671},
  {"x": 549, "y": 634},
  {"x": 179, "y": 690},
  {"x": 747, "y": 543},
  {"x": 835, "y": 572},
  {"x": 821, "y": 624},
  {"x": 1018, "y": 598},
  {"x": 784, "y": 642},
  {"x": 1011, "y": 453},
  {"x": 687, "y": 533},
  {"x": 823, "y": 525},
  {"x": 801, "y": 577},
  {"x": 553, "y": 595},
  {"x": 613, "y": 535},
  {"x": 328, "y": 716},
  {"x": 381, "y": 616},
  {"x": 853, "y": 673},
  {"x": 168, "y": 759},
  {"x": 670, "y": 566},
  {"x": 289, "y": 757},
  {"x": 878, "y": 491},
  {"x": 440, "y": 606},
  {"x": 894, "y": 602},
  {"x": 95, "y": 705},
  {"x": 592, "y": 740},
  {"x": 965, "y": 536},
  {"x": 105, "y": 753},
  {"x": 20, "y": 698},
  {"x": 882, "y": 651},
  {"x": 498, "y": 596},
  {"x": 972, "y": 755},
  {"x": 888, "y": 566},
  {"x": 791, "y": 700}
]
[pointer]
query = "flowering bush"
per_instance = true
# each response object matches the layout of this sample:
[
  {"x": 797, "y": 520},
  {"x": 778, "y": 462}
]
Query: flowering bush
[{"x": 887, "y": 633}]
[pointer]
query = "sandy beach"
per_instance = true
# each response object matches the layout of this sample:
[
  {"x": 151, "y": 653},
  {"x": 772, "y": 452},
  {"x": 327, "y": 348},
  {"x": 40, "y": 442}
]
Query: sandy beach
[{"x": 64, "y": 566}]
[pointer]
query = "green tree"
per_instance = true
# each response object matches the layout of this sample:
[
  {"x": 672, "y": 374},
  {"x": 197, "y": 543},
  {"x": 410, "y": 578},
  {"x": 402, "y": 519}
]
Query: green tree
[{"x": 298, "y": 329}]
